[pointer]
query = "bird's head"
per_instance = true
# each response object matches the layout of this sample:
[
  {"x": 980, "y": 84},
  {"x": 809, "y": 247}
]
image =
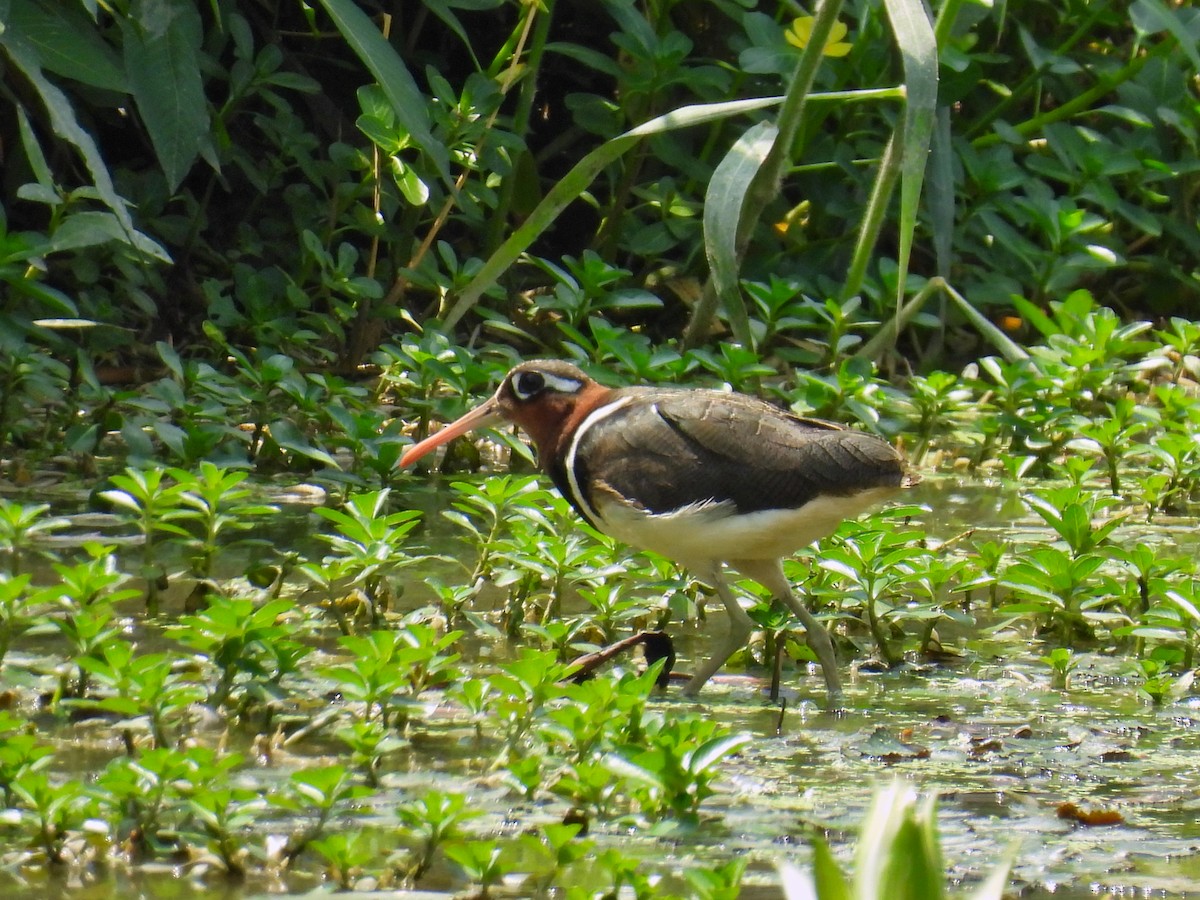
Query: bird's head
[{"x": 546, "y": 398}]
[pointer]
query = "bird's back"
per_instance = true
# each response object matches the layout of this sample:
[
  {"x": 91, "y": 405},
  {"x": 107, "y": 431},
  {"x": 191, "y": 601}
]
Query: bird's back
[{"x": 675, "y": 471}]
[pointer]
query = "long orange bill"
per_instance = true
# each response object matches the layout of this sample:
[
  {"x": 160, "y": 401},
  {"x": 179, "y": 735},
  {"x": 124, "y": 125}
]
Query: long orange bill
[{"x": 483, "y": 416}]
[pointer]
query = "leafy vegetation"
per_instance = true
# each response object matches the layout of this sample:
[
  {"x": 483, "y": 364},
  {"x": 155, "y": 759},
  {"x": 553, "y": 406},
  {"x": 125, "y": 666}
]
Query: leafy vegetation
[{"x": 248, "y": 246}]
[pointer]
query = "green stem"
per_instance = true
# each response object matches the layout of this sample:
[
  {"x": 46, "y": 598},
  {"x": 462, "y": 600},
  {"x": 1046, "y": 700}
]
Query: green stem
[
  {"x": 1082, "y": 102},
  {"x": 868, "y": 232},
  {"x": 1033, "y": 77},
  {"x": 791, "y": 114}
]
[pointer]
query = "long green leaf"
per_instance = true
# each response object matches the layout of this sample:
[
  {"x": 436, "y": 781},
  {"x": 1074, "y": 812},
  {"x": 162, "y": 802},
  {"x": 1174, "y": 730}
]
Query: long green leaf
[
  {"x": 576, "y": 181},
  {"x": 941, "y": 192},
  {"x": 830, "y": 880},
  {"x": 33, "y": 152},
  {"x": 24, "y": 57},
  {"x": 162, "y": 43},
  {"x": 68, "y": 42},
  {"x": 918, "y": 52},
  {"x": 625, "y": 768},
  {"x": 383, "y": 62},
  {"x": 715, "y": 750},
  {"x": 723, "y": 204}
]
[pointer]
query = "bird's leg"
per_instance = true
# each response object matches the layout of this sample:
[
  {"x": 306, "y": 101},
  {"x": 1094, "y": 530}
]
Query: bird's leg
[
  {"x": 740, "y": 626},
  {"x": 769, "y": 573}
]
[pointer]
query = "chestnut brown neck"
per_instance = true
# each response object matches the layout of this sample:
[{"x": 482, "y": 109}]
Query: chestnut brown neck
[{"x": 552, "y": 418}]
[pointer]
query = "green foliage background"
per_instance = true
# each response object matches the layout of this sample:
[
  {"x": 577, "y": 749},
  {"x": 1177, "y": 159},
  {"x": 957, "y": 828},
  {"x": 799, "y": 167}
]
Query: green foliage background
[{"x": 283, "y": 173}]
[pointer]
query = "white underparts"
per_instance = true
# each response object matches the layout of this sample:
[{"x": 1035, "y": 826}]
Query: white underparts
[{"x": 701, "y": 532}]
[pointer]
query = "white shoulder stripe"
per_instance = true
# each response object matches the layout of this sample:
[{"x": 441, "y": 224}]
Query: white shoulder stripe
[{"x": 596, "y": 415}]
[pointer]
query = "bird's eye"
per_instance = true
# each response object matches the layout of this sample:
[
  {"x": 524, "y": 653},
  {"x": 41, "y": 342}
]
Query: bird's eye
[{"x": 526, "y": 384}]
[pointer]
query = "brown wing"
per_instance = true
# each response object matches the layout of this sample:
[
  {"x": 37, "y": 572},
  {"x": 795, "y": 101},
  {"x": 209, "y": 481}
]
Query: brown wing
[{"x": 666, "y": 450}]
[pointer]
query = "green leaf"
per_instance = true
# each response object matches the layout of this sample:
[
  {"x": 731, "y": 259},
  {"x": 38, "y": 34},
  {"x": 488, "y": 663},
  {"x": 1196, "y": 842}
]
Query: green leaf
[
  {"x": 624, "y": 768},
  {"x": 715, "y": 750},
  {"x": 24, "y": 56},
  {"x": 941, "y": 192},
  {"x": 723, "y": 203},
  {"x": 383, "y": 62},
  {"x": 292, "y": 439},
  {"x": 68, "y": 43},
  {"x": 89, "y": 228},
  {"x": 1035, "y": 317},
  {"x": 162, "y": 43},
  {"x": 35, "y": 157},
  {"x": 918, "y": 52},
  {"x": 830, "y": 881},
  {"x": 1152, "y": 16}
]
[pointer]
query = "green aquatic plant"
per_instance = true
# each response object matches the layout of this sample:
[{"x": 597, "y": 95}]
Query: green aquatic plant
[
  {"x": 1063, "y": 585},
  {"x": 21, "y": 608},
  {"x": 428, "y": 373},
  {"x": 22, "y": 750},
  {"x": 141, "y": 798},
  {"x": 151, "y": 504},
  {"x": 1161, "y": 683},
  {"x": 144, "y": 691},
  {"x": 222, "y": 811},
  {"x": 1114, "y": 437},
  {"x": 537, "y": 570},
  {"x": 87, "y": 630},
  {"x": 369, "y": 742},
  {"x": 370, "y": 548},
  {"x": 48, "y": 813},
  {"x": 1062, "y": 662},
  {"x": 936, "y": 404},
  {"x": 347, "y": 854},
  {"x": 1171, "y": 625},
  {"x": 1061, "y": 592},
  {"x": 485, "y": 862},
  {"x": 598, "y": 714},
  {"x": 217, "y": 511},
  {"x": 899, "y": 857},
  {"x": 879, "y": 564},
  {"x": 520, "y": 690},
  {"x": 388, "y": 670},
  {"x": 490, "y": 509},
  {"x": 553, "y": 848},
  {"x": 249, "y": 646},
  {"x": 23, "y": 527},
  {"x": 671, "y": 771},
  {"x": 316, "y": 793},
  {"x": 427, "y": 824}
]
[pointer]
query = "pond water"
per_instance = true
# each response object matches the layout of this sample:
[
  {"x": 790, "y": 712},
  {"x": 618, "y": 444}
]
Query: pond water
[{"x": 982, "y": 728}]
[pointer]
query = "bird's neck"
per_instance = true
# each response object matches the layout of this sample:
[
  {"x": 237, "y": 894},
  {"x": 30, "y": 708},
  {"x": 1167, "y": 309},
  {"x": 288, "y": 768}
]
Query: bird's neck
[{"x": 556, "y": 423}]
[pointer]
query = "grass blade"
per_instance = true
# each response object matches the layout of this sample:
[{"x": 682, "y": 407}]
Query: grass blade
[
  {"x": 576, "y": 181},
  {"x": 724, "y": 202}
]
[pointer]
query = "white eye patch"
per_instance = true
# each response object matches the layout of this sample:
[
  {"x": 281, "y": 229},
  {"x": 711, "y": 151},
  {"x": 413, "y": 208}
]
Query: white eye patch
[{"x": 532, "y": 382}]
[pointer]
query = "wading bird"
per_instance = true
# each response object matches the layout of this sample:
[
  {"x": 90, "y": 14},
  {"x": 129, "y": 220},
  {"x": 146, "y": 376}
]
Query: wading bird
[{"x": 703, "y": 477}]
